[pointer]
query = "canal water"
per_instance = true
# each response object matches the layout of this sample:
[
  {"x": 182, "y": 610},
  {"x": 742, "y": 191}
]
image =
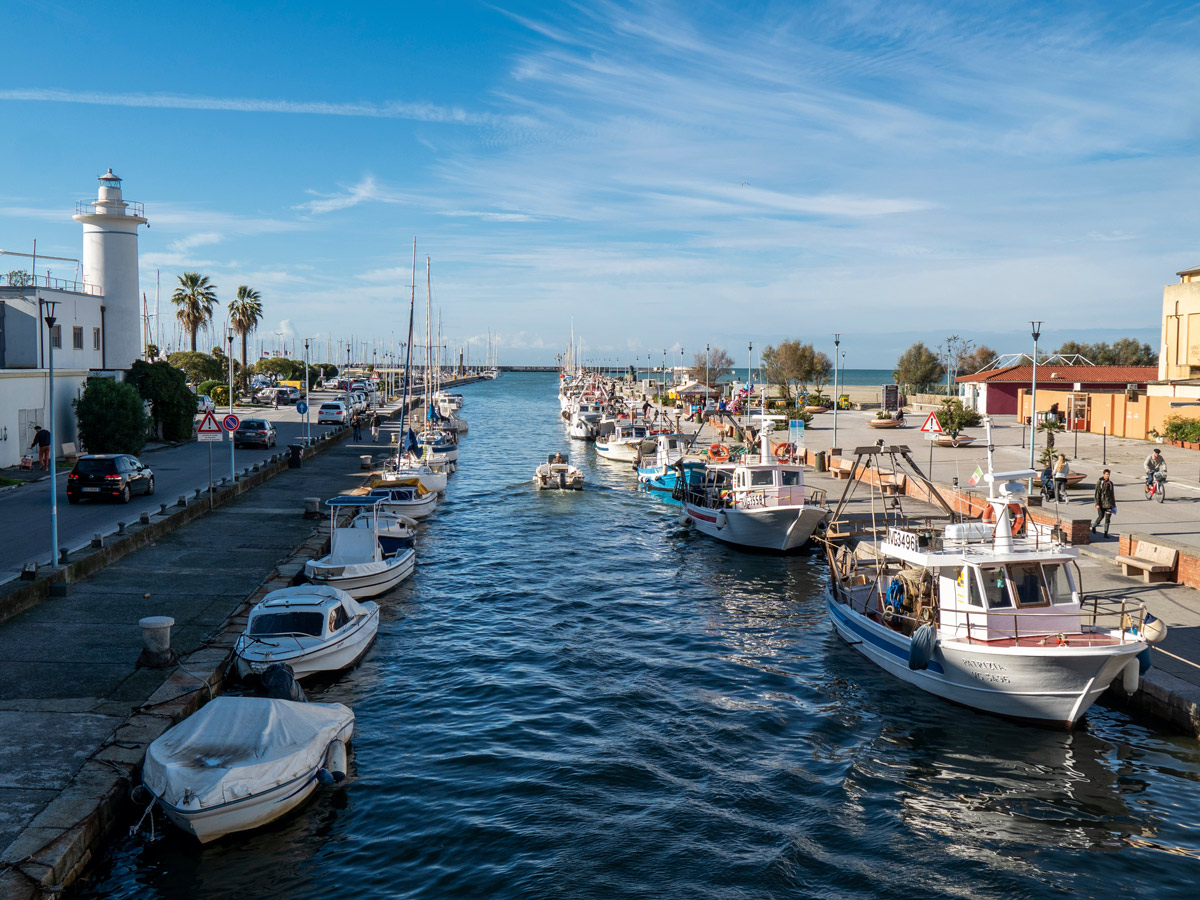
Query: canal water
[{"x": 574, "y": 697}]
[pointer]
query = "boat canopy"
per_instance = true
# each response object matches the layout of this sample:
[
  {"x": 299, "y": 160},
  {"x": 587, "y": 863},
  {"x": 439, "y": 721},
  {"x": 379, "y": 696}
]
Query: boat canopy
[{"x": 346, "y": 500}]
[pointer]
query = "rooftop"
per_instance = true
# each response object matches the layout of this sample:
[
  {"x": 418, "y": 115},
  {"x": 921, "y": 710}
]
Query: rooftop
[{"x": 1066, "y": 375}]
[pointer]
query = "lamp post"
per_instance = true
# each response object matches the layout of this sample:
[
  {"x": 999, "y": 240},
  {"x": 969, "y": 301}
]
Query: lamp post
[
  {"x": 707, "y": 360},
  {"x": 50, "y": 320},
  {"x": 229, "y": 339},
  {"x": 749, "y": 357},
  {"x": 837, "y": 340},
  {"x": 1036, "y": 329},
  {"x": 307, "y": 381}
]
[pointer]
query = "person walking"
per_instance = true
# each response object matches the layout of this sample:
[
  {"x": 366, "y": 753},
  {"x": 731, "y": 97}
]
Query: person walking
[
  {"x": 375, "y": 423},
  {"x": 1061, "y": 470},
  {"x": 1106, "y": 502},
  {"x": 356, "y": 424},
  {"x": 41, "y": 440}
]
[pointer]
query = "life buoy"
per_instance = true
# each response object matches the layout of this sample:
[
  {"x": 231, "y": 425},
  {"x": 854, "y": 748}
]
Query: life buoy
[
  {"x": 1016, "y": 512},
  {"x": 782, "y": 451},
  {"x": 718, "y": 453}
]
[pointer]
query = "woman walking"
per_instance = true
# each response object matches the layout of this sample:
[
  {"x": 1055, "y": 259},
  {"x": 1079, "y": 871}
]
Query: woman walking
[
  {"x": 375, "y": 423},
  {"x": 1061, "y": 470}
]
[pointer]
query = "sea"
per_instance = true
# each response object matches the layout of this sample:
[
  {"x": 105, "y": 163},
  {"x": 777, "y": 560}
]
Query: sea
[{"x": 576, "y": 696}]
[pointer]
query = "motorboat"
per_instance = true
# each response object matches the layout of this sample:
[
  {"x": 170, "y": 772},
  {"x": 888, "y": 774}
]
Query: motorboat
[
  {"x": 395, "y": 531},
  {"x": 659, "y": 466},
  {"x": 584, "y": 425},
  {"x": 758, "y": 504},
  {"x": 241, "y": 762},
  {"x": 356, "y": 563},
  {"x": 623, "y": 441},
  {"x": 988, "y": 614},
  {"x": 438, "y": 445},
  {"x": 557, "y": 474},
  {"x": 415, "y": 502},
  {"x": 309, "y": 627},
  {"x": 412, "y": 471}
]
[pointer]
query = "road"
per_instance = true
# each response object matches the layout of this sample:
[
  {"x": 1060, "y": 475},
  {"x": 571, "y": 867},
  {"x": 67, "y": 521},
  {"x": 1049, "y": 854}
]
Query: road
[{"x": 25, "y": 512}]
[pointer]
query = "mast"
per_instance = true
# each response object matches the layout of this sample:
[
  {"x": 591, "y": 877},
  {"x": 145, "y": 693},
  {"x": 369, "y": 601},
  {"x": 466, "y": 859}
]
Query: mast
[
  {"x": 428, "y": 338},
  {"x": 405, "y": 439}
]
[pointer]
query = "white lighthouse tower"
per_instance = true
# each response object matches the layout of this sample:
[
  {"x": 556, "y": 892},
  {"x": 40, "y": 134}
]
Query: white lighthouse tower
[{"x": 110, "y": 262}]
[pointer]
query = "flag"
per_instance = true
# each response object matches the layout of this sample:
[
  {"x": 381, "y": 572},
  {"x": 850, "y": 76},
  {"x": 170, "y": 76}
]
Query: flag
[{"x": 976, "y": 476}]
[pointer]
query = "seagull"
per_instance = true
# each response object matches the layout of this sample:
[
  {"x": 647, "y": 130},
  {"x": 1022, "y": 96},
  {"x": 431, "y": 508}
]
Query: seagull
[{"x": 745, "y": 184}]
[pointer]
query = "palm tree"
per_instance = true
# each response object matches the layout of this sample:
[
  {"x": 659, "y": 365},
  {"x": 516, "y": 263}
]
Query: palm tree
[
  {"x": 245, "y": 313},
  {"x": 195, "y": 297}
]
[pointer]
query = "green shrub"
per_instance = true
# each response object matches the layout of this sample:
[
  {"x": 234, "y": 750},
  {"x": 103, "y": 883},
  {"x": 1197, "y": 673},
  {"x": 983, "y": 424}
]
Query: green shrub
[
  {"x": 173, "y": 405},
  {"x": 1177, "y": 428},
  {"x": 954, "y": 417},
  {"x": 111, "y": 416},
  {"x": 207, "y": 387}
]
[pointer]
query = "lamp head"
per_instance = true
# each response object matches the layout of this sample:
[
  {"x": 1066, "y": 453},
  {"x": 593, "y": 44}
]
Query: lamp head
[{"x": 1036, "y": 329}]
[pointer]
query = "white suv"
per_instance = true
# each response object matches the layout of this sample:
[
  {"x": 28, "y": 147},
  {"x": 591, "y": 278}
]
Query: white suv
[{"x": 332, "y": 412}]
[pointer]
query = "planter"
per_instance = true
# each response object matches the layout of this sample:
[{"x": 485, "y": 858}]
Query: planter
[
  {"x": 1191, "y": 445},
  {"x": 944, "y": 440},
  {"x": 884, "y": 423},
  {"x": 815, "y": 409}
]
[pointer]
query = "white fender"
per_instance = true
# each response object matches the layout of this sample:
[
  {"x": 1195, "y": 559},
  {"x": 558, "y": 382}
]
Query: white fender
[
  {"x": 685, "y": 519},
  {"x": 722, "y": 519},
  {"x": 1131, "y": 676},
  {"x": 335, "y": 760}
]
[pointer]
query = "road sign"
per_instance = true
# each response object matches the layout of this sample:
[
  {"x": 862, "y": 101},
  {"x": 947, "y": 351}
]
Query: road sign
[
  {"x": 301, "y": 407},
  {"x": 210, "y": 429},
  {"x": 932, "y": 425},
  {"x": 374, "y": 376},
  {"x": 231, "y": 422}
]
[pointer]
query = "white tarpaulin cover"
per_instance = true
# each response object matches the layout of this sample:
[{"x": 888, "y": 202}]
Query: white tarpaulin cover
[{"x": 238, "y": 746}]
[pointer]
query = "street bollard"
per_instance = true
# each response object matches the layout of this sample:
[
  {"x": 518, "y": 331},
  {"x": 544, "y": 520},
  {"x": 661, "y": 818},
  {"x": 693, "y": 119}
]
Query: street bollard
[
  {"x": 182, "y": 501},
  {"x": 97, "y": 539},
  {"x": 156, "y": 642},
  {"x": 120, "y": 528},
  {"x": 144, "y": 518}
]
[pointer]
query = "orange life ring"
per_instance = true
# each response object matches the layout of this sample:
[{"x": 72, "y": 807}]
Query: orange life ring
[
  {"x": 718, "y": 453},
  {"x": 782, "y": 451},
  {"x": 1017, "y": 512}
]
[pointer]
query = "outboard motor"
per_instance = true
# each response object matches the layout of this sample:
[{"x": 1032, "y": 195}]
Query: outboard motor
[{"x": 279, "y": 682}]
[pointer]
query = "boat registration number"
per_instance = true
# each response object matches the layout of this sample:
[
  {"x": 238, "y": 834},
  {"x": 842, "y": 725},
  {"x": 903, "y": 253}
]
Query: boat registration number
[
  {"x": 904, "y": 539},
  {"x": 91, "y": 490}
]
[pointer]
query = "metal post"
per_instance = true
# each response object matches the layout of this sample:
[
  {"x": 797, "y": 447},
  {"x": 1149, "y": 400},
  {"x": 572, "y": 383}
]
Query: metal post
[
  {"x": 307, "y": 405},
  {"x": 837, "y": 339},
  {"x": 1105, "y": 444},
  {"x": 1036, "y": 329},
  {"x": 749, "y": 357},
  {"x": 210, "y": 475},
  {"x": 50, "y": 321}
]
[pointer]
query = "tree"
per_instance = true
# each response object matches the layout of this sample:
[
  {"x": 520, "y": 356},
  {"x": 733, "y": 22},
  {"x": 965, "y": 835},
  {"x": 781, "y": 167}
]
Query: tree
[
  {"x": 245, "y": 313},
  {"x": 820, "y": 369},
  {"x": 277, "y": 368},
  {"x": 975, "y": 360},
  {"x": 1125, "y": 352},
  {"x": 198, "y": 366},
  {"x": 112, "y": 417},
  {"x": 918, "y": 368},
  {"x": 954, "y": 417},
  {"x": 151, "y": 352},
  {"x": 779, "y": 366},
  {"x": 713, "y": 365},
  {"x": 194, "y": 298},
  {"x": 173, "y": 405}
]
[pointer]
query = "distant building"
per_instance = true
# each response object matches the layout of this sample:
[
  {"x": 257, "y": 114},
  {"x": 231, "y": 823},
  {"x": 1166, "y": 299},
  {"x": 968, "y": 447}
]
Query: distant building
[{"x": 98, "y": 329}]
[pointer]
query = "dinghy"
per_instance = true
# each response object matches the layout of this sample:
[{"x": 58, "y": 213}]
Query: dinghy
[{"x": 557, "y": 474}]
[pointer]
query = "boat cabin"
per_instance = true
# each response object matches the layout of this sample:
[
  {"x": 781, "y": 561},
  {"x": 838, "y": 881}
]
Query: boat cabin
[{"x": 303, "y": 611}]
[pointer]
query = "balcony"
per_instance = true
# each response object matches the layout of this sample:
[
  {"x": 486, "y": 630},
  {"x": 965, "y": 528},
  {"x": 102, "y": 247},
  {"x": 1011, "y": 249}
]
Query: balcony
[
  {"x": 25, "y": 280},
  {"x": 88, "y": 208}
]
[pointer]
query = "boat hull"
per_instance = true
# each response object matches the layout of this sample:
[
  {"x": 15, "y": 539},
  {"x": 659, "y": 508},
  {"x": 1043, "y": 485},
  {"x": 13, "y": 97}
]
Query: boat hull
[
  {"x": 254, "y": 657},
  {"x": 623, "y": 451},
  {"x": 1053, "y": 686},
  {"x": 779, "y": 529},
  {"x": 431, "y": 481},
  {"x": 362, "y": 580}
]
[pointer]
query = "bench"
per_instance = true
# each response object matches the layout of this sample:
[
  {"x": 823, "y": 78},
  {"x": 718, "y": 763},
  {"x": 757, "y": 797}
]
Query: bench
[
  {"x": 840, "y": 467},
  {"x": 891, "y": 484},
  {"x": 1155, "y": 563},
  {"x": 70, "y": 451}
]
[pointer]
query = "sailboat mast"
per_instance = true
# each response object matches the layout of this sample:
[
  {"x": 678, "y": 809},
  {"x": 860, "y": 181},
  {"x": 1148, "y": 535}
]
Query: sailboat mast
[{"x": 402, "y": 439}]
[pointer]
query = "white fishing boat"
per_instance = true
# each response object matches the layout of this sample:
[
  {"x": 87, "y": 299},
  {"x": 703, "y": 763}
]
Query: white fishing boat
[
  {"x": 356, "y": 563},
  {"x": 438, "y": 446},
  {"x": 757, "y": 504},
  {"x": 669, "y": 449},
  {"x": 395, "y": 531},
  {"x": 241, "y": 762},
  {"x": 623, "y": 441},
  {"x": 310, "y": 628},
  {"x": 988, "y": 614},
  {"x": 557, "y": 474},
  {"x": 414, "y": 502},
  {"x": 584, "y": 425}
]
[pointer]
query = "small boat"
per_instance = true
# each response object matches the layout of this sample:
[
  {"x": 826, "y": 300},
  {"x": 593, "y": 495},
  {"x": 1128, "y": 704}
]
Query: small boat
[
  {"x": 407, "y": 470},
  {"x": 395, "y": 531},
  {"x": 241, "y": 762},
  {"x": 557, "y": 474},
  {"x": 415, "y": 502},
  {"x": 623, "y": 441},
  {"x": 657, "y": 469},
  {"x": 310, "y": 628},
  {"x": 987, "y": 614},
  {"x": 356, "y": 563},
  {"x": 438, "y": 445}
]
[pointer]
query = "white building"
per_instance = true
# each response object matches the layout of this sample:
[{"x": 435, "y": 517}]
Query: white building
[{"x": 98, "y": 323}]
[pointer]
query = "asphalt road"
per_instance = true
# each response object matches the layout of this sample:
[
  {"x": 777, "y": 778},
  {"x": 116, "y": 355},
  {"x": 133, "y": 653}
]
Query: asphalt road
[{"x": 25, "y": 512}]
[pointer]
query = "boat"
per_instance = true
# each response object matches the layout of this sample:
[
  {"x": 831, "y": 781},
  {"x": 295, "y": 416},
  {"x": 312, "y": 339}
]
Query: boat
[
  {"x": 988, "y": 614},
  {"x": 310, "y": 628},
  {"x": 557, "y": 474},
  {"x": 623, "y": 441},
  {"x": 438, "y": 446},
  {"x": 659, "y": 466},
  {"x": 394, "y": 531},
  {"x": 753, "y": 504},
  {"x": 356, "y": 563},
  {"x": 407, "y": 470},
  {"x": 414, "y": 502},
  {"x": 584, "y": 424},
  {"x": 241, "y": 762}
]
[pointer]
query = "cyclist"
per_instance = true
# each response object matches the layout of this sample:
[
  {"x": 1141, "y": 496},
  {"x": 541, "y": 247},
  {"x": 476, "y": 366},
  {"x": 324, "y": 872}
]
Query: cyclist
[{"x": 1155, "y": 463}]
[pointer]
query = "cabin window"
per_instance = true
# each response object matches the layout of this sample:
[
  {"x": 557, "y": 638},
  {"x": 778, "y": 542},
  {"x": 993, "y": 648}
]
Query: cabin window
[
  {"x": 995, "y": 588},
  {"x": 291, "y": 622},
  {"x": 1058, "y": 586},
  {"x": 789, "y": 479},
  {"x": 760, "y": 477},
  {"x": 1027, "y": 584},
  {"x": 338, "y": 618},
  {"x": 967, "y": 580}
]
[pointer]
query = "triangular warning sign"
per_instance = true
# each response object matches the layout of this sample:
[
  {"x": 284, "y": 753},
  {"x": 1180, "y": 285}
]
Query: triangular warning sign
[
  {"x": 209, "y": 425},
  {"x": 932, "y": 425}
]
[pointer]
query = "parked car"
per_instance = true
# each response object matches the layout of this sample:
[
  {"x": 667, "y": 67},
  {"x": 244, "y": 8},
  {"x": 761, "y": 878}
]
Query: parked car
[
  {"x": 109, "y": 475},
  {"x": 285, "y": 394},
  {"x": 254, "y": 431},
  {"x": 332, "y": 412},
  {"x": 205, "y": 404}
]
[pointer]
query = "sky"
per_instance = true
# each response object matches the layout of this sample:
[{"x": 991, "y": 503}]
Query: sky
[{"x": 659, "y": 175}]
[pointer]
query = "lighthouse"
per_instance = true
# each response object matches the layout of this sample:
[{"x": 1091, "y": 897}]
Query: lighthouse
[{"x": 110, "y": 263}]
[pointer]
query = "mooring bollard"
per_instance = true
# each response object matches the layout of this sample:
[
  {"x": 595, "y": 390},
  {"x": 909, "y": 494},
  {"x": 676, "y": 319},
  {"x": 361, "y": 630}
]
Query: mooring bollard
[
  {"x": 364, "y": 462},
  {"x": 182, "y": 501},
  {"x": 97, "y": 539},
  {"x": 156, "y": 642},
  {"x": 120, "y": 528},
  {"x": 162, "y": 509},
  {"x": 312, "y": 507},
  {"x": 144, "y": 518},
  {"x": 198, "y": 490}
]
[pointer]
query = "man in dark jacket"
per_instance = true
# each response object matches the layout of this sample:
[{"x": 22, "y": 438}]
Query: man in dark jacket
[{"x": 1106, "y": 502}]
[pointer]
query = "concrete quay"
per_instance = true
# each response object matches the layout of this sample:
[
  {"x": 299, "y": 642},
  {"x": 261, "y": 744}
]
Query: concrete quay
[{"x": 76, "y": 715}]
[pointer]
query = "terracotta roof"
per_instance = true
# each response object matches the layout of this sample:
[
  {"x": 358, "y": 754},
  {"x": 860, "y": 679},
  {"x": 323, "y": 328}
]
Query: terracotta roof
[{"x": 1068, "y": 374}]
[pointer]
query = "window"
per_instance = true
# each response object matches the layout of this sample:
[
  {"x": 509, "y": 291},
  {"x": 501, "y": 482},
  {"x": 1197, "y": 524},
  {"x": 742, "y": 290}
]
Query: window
[
  {"x": 56, "y": 337},
  {"x": 95, "y": 338},
  {"x": 338, "y": 618},
  {"x": 760, "y": 477},
  {"x": 1027, "y": 584},
  {"x": 967, "y": 579},
  {"x": 77, "y": 337},
  {"x": 790, "y": 479},
  {"x": 310, "y": 623},
  {"x": 995, "y": 588},
  {"x": 1058, "y": 586}
]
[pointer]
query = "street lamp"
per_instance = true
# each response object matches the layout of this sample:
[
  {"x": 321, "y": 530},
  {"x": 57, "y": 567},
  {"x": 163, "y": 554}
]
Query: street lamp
[
  {"x": 50, "y": 320},
  {"x": 837, "y": 340},
  {"x": 229, "y": 339},
  {"x": 707, "y": 360},
  {"x": 749, "y": 357},
  {"x": 307, "y": 380},
  {"x": 1036, "y": 329}
]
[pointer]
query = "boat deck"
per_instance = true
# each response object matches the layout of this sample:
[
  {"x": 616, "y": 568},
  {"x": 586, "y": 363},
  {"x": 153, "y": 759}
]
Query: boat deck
[{"x": 1068, "y": 639}]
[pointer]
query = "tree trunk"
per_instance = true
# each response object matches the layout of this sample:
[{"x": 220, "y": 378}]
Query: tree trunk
[
  {"x": 194, "y": 330},
  {"x": 243, "y": 353}
]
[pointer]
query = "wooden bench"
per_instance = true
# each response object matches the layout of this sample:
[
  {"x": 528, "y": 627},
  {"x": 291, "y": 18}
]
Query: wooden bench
[
  {"x": 891, "y": 484},
  {"x": 840, "y": 467},
  {"x": 1155, "y": 563}
]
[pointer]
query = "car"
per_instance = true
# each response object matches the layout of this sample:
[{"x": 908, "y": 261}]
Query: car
[
  {"x": 205, "y": 404},
  {"x": 255, "y": 431},
  {"x": 284, "y": 393},
  {"x": 116, "y": 476},
  {"x": 332, "y": 412}
]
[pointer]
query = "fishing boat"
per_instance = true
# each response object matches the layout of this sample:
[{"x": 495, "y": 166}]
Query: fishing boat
[
  {"x": 988, "y": 614},
  {"x": 623, "y": 441},
  {"x": 356, "y": 563},
  {"x": 239, "y": 763},
  {"x": 757, "y": 504},
  {"x": 310, "y": 628},
  {"x": 584, "y": 424},
  {"x": 414, "y": 502},
  {"x": 659, "y": 466},
  {"x": 557, "y": 474}
]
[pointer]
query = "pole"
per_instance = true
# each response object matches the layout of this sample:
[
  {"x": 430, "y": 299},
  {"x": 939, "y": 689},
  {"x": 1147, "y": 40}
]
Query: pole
[
  {"x": 837, "y": 340},
  {"x": 54, "y": 555},
  {"x": 210, "y": 475},
  {"x": 1036, "y": 330},
  {"x": 307, "y": 405},
  {"x": 232, "y": 465}
]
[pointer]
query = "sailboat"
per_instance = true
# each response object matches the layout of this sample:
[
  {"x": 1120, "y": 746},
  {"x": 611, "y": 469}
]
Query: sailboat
[{"x": 440, "y": 444}]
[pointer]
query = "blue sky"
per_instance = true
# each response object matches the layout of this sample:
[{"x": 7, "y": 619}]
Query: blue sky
[{"x": 666, "y": 174}]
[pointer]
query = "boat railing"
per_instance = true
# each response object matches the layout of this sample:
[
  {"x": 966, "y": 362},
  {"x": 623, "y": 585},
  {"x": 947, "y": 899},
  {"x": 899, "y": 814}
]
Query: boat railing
[{"x": 762, "y": 496}]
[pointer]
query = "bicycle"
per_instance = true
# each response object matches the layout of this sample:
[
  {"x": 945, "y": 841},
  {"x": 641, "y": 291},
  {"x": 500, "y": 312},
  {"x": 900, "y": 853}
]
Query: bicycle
[{"x": 1157, "y": 489}]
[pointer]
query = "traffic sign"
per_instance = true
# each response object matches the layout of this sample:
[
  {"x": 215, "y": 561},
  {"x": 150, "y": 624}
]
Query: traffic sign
[
  {"x": 231, "y": 422},
  {"x": 932, "y": 425},
  {"x": 209, "y": 429},
  {"x": 301, "y": 407},
  {"x": 374, "y": 376}
]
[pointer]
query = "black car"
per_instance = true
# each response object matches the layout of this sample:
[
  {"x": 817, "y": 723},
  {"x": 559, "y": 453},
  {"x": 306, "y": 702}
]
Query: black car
[
  {"x": 254, "y": 431},
  {"x": 109, "y": 475}
]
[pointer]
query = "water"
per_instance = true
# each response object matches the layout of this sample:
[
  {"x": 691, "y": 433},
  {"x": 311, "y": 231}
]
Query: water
[{"x": 576, "y": 698}]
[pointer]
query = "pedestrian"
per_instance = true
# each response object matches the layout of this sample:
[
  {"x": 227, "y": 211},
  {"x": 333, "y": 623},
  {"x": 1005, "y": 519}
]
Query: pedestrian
[
  {"x": 1061, "y": 470},
  {"x": 1106, "y": 502},
  {"x": 276, "y": 396},
  {"x": 375, "y": 423},
  {"x": 41, "y": 440},
  {"x": 646, "y": 410},
  {"x": 356, "y": 423}
]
